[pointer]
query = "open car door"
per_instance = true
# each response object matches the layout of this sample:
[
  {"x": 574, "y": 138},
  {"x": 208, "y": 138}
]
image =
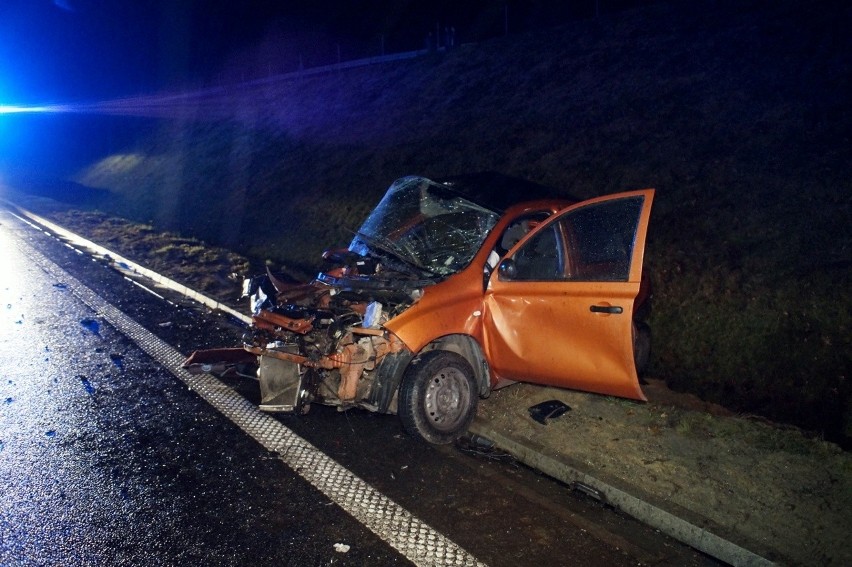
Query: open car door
[{"x": 559, "y": 309}]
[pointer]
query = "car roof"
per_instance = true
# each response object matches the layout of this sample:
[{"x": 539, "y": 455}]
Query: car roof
[{"x": 498, "y": 192}]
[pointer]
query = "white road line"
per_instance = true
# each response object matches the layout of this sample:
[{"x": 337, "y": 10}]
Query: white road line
[
  {"x": 414, "y": 539},
  {"x": 42, "y": 224}
]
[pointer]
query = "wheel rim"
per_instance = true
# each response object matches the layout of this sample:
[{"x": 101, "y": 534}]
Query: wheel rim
[{"x": 447, "y": 397}]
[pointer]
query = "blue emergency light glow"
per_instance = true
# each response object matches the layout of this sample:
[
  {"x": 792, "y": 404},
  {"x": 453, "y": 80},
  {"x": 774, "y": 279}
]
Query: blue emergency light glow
[{"x": 13, "y": 109}]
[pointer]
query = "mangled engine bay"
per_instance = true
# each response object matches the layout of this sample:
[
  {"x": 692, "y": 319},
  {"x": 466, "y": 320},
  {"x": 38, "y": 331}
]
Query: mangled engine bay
[
  {"x": 320, "y": 343},
  {"x": 325, "y": 341}
]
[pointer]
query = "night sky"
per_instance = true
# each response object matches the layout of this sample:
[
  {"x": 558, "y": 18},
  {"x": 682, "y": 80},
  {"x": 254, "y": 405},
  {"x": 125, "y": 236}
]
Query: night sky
[{"x": 54, "y": 51}]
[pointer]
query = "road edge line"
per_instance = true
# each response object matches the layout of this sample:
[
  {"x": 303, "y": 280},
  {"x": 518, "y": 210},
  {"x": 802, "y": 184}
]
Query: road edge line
[{"x": 134, "y": 266}]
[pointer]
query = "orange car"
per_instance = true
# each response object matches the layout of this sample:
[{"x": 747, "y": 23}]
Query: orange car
[{"x": 445, "y": 293}]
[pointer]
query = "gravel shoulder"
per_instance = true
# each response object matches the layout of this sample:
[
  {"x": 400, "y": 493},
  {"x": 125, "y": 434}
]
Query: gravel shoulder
[{"x": 766, "y": 487}]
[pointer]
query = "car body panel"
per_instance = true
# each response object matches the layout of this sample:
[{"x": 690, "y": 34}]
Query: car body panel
[
  {"x": 545, "y": 334},
  {"x": 546, "y": 331}
]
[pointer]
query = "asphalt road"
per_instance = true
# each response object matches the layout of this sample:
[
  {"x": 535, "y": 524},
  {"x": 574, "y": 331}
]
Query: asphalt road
[{"x": 108, "y": 458}]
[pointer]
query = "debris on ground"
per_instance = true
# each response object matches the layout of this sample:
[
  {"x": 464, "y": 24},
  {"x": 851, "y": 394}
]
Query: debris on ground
[{"x": 551, "y": 409}]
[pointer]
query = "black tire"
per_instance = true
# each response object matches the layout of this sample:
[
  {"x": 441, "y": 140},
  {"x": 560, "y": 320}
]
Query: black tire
[
  {"x": 438, "y": 397},
  {"x": 641, "y": 346}
]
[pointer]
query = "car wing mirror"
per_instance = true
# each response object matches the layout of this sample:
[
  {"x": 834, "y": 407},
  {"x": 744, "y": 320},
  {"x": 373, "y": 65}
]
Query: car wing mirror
[
  {"x": 507, "y": 269},
  {"x": 338, "y": 255}
]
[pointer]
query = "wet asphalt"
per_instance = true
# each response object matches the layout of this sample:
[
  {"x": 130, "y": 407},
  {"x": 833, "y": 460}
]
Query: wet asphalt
[{"x": 107, "y": 459}]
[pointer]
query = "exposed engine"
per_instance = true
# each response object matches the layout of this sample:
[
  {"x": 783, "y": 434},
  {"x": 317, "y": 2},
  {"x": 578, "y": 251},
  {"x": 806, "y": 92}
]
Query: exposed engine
[{"x": 319, "y": 342}]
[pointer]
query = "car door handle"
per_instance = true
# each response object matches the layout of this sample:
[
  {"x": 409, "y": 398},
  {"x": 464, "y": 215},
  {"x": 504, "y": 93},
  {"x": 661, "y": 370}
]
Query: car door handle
[{"x": 611, "y": 309}]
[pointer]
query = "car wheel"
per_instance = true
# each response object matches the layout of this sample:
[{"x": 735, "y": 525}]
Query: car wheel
[
  {"x": 641, "y": 346},
  {"x": 438, "y": 396}
]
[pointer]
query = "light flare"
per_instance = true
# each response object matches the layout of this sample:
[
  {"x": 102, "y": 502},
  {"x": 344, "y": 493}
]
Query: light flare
[
  {"x": 155, "y": 106},
  {"x": 20, "y": 109},
  {"x": 13, "y": 109}
]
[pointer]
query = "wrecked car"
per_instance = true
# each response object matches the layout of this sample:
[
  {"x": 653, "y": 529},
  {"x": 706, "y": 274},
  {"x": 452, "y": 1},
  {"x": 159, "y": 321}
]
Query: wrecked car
[{"x": 446, "y": 293}]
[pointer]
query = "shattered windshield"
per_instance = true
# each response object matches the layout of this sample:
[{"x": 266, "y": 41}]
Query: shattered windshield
[{"x": 426, "y": 225}]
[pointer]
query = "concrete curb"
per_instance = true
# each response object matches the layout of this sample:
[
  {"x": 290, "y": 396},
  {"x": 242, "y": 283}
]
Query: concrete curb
[{"x": 669, "y": 523}]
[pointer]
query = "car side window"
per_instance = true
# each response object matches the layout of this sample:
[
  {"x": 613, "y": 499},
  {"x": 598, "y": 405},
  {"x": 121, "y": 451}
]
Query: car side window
[
  {"x": 540, "y": 259},
  {"x": 511, "y": 235},
  {"x": 592, "y": 243},
  {"x": 601, "y": 239},
  {"x": 519, "y": 228}
]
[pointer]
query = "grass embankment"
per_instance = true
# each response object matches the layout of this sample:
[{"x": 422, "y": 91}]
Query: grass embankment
[
  {"x": 213, "y": 271},
  {"x": 737, "y": 112}
]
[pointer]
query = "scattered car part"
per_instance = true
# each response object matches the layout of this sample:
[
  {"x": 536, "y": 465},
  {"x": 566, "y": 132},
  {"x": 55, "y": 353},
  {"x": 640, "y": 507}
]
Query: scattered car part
[{"x": 550, "y": 409}]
